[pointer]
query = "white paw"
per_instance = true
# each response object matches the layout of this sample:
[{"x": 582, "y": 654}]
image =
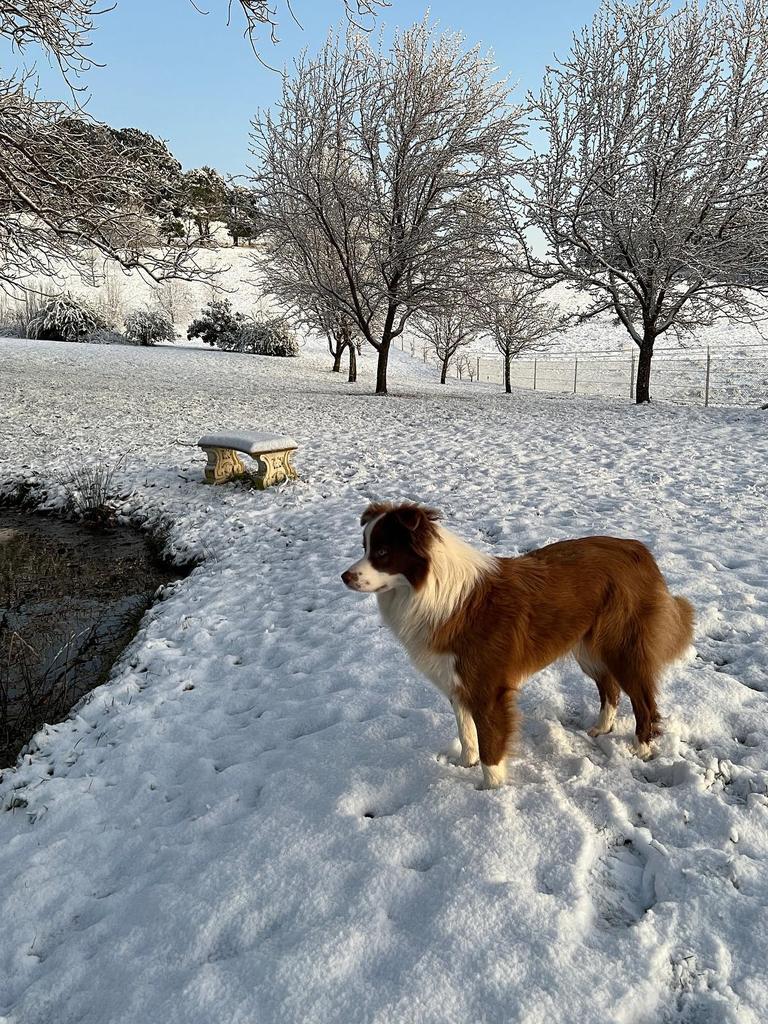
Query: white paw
[
  {"x": 466, "y": 759},
  {"x": 494, "y": 775},
  {"x": 641, "y": 750},
  {"x": 599, "y": 730},
  {"x": 604, "y": 722}
]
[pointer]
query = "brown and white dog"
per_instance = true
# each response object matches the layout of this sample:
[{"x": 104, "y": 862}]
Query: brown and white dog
[{"x": 478, "y": 626}]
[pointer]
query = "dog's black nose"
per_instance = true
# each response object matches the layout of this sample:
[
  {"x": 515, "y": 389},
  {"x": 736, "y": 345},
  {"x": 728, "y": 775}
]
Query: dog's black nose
[{"x": 346, "y": 578}]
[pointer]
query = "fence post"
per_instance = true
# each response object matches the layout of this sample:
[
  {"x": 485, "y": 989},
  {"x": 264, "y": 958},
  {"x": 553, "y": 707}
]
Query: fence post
[
  {"x": 575, "y": 372},
  {"x": 632, "y": 376},
  {"x": 706, "y": 383},
  {"x": 535, "y": 361},
  {"x": 478, "y": 369}
]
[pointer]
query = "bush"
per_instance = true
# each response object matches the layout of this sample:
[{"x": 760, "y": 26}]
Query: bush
[
  {"x": 262, "y": 338},
  {"x": 16, "y": 316},
  {"x": 219, "y": 325},
  {"x": 105, "y": 336},
  {"x": 149, "y": 326},
  {"x": 65, "y": 318},
  {"x": 216, "y": 320}
]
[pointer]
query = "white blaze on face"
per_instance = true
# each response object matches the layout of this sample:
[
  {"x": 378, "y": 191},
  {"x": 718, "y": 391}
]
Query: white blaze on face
[{"x": 364, "y": 576}]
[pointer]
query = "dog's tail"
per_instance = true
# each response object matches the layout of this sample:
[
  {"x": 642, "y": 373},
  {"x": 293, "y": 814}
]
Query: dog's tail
[{"x": 682, "y": 637}]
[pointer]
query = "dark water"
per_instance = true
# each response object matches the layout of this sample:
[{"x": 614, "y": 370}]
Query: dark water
[{"x": 70, "y": 600}]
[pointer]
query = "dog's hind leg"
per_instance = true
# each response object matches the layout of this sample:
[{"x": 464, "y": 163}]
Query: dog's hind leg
[
  {"x": 638, "y": 680},
  {"x": 467, "y": 734},
  {"x": 610, "y": 693},
  {"x": 607, "y": 687}
]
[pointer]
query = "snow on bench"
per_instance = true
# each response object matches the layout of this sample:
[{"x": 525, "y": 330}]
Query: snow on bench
[{"x": 271, "y": 452}]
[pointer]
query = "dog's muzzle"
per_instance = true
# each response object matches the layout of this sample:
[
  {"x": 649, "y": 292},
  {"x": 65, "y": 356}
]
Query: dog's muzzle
[{"x": 351, "y": 579}]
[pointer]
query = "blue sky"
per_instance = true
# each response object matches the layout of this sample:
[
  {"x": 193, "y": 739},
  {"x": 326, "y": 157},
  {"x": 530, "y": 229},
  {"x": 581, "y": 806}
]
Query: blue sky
[{"x": 193, "y": 81}]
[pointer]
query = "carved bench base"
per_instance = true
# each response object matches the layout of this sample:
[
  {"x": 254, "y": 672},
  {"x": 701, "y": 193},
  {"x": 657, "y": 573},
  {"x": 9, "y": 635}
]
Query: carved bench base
[{"x": 271, "y": 467}]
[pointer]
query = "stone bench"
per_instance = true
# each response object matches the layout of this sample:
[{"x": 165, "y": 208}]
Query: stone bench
[{"x": 271, "y": 452}]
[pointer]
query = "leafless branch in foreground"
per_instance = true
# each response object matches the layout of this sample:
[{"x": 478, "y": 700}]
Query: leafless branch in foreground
[
  {"x": 70, "y": 188},
  {"x": 259, "y": 14},
  {"x": 61, "y": 27}
]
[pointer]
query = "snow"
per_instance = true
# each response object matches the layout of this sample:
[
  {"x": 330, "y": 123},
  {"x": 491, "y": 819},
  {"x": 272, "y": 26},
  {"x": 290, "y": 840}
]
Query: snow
[
  {"x": 254, "y": 442},
  {"x": 256, "y": 819}
]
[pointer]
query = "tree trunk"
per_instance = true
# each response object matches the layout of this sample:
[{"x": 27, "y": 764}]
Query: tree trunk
[
  {"x": 507, "y": 374},
  {"x": 444, "y": 372},
  {"x": 338, "y": 352},
  {"x": 352, "y": 364},
  {"x": 381, "y": 368},
  {"x": 643, "y": 385}
]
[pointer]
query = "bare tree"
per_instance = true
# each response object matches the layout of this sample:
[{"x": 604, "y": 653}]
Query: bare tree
[
  {"x": 339, "y": 331},
  {"x": 294, "y": 289},
  {"x": 469, "y": 365},
  {"x": 652, "y": 195},
  {"x": 448, "y": 328},
  {"x": 389, "y": 157},
  {"x": 517, "y": 318}
]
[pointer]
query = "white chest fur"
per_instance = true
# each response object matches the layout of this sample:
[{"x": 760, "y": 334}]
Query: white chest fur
[
  {"x": 454, "y": 570},
  {"x": 397, "y": 611}
]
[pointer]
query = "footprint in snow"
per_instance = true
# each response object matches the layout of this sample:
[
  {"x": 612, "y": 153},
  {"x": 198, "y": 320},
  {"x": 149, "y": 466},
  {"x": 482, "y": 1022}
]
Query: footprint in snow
[{"x": 624, "y": 886}]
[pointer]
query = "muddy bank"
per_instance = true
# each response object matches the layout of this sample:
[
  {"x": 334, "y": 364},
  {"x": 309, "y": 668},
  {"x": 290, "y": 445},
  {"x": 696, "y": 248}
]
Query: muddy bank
[{"x": 70, "y": 600}]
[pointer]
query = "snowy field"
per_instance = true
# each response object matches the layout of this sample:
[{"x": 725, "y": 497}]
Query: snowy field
[
  {"x": 739, "y": 351},
  {"x": 255, "y": 820}
]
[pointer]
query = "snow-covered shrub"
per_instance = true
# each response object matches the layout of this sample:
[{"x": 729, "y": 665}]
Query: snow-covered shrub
[
  {"x": 10, "y": 325},
  {"x": 17, "y": 315},
  {"x": 66, "y": 318},
  {"x": 148, "y": 327},
  {"x": 106, "y": 336},
  {"x": 262, "y": 338},
  {"x": 216, "y": 320}
]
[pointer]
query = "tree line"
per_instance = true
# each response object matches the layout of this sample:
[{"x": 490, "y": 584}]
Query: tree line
[{"x": 399, "y": 188}]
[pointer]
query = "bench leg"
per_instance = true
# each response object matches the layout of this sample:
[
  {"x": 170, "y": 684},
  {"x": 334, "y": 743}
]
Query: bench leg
[
  {"x": 223, "y": 464},
  {"x": 274, "y": 468}
]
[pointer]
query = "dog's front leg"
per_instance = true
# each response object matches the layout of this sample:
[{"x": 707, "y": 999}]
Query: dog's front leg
[{"x": 467, "y": 734}]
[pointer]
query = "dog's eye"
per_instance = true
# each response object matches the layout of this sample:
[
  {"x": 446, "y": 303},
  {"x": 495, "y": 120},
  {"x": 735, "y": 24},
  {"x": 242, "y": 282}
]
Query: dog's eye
[{"x": 380, "y": 553}]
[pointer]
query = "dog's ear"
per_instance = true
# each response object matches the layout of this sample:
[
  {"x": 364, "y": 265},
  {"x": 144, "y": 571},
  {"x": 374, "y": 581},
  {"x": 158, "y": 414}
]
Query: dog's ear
[
  {"x": 420, "y": 523},
  {"x": 417, "y": 517},
  {"x": 376, "y": 508}
]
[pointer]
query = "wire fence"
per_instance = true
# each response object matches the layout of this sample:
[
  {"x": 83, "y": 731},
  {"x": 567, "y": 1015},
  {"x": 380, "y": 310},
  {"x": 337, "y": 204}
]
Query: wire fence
[{"x": 734, "y": 375}]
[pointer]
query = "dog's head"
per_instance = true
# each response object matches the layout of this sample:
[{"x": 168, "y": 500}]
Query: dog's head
[{"x": 397, "y": 541}]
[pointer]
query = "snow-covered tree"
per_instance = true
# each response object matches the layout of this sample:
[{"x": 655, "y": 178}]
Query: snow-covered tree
[
  {"x": 448, "y": 328},
  {"x": 516, "y": 317},
  {"x": 240, "y": 213},
  {"x": 216, "y": 320},
  {"x": 652, "y": 189},
  {"x": 205, "y": 195},
  {"x": 388, "y": 156}
]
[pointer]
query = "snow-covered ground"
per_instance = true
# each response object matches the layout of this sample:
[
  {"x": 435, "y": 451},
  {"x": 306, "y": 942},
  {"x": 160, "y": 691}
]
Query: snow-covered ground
[{"x": 254, "y": 820}]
